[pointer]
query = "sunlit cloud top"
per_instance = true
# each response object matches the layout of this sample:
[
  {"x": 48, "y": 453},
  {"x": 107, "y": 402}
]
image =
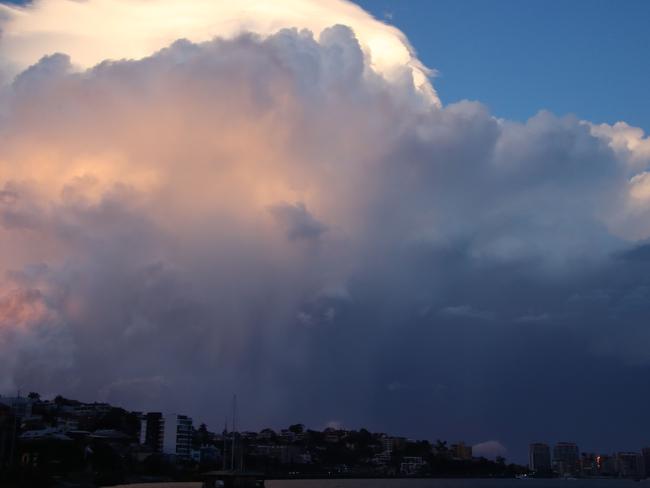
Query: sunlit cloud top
[{"x": 95, "y": 30}]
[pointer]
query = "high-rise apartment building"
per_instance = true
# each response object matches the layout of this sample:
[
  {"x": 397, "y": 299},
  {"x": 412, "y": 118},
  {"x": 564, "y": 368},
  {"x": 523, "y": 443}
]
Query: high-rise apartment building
[
  {"x": 152, "y": 430},
  {"x": 645, "y": 452},
  {"x": 566, "y": 460},
  {"x": 178, "y": 435},
  {"x": 630, "y": 465},
  {"x": 167, "y": 433},
  {"x": 539, "y": 458}
]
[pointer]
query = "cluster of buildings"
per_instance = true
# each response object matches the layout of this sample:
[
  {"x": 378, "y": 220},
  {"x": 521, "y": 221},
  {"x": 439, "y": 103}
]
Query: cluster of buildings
[
  {"x": 34, "y": 431},
  {"x": 27, "y": 424},
  {"x": 62, "y": 436},
  {"x": 568, "y": 461}
]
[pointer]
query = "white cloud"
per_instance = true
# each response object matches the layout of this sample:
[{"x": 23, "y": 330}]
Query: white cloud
[
  {"x": 489, "y": 449},
  {"x": 95, "y": 30},
  {"x": 466, "y": 311}
]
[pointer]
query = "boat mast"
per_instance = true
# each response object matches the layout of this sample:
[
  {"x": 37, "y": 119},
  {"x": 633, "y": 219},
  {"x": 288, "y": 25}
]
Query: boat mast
[
  {"x": 234, "y": 431},
  {"x": 225, "y": 445}
]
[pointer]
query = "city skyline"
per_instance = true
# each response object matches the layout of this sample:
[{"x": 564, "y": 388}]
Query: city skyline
[
  {"x": 175, "y": 435},
  {"x": 563, "y": 458}
]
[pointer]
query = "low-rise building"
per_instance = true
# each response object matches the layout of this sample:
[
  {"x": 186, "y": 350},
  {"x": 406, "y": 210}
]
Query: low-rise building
[
  {"x": 8, "y": 431},
  {"x": 21, "y": 407},
  {"x": 411, "y": 465},
  {"x": 461, "y": 451}
]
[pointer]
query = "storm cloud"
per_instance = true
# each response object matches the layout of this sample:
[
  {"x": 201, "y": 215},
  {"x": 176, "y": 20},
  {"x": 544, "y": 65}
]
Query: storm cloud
[{"x": 273, "y": 214}]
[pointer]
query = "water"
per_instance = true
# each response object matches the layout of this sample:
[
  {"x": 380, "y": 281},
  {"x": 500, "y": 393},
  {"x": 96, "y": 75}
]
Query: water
[
  {"x": 432, "y": 483},
  {"x": 459, "y": 483}
]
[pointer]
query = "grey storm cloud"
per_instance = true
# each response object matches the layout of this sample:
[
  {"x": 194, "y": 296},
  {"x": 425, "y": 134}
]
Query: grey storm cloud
[
  {"x": 297, "y": 220},
  {"x": 150, "y": 257}
]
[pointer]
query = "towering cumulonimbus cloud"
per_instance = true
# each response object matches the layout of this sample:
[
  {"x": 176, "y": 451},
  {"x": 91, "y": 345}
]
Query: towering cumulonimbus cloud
[
  {"x": 287, "y": 211},
  {"x": 95, "y": 30}
]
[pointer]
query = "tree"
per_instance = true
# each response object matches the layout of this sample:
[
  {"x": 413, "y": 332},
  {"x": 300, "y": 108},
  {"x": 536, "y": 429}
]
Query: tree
[
  {"x": 202, "y": 436},
  {"x": 34, "y": 396},
  {"x": 297, "y": 428},
  {"x": 441, "y": 448}
]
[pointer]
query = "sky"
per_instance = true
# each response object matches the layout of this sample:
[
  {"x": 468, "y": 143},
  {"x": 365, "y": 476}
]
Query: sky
[
  {"x": 431, "y": 220},
  {"x": 584, "y": 57}
]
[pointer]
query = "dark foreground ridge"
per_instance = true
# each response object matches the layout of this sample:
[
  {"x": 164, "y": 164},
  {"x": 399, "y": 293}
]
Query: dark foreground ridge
[
  {"x": 63, "y": 442},
  {"x": 68, "y": 443}
]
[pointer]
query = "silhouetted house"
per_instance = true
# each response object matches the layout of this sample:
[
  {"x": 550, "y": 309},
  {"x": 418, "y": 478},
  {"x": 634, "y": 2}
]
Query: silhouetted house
[
  {"x": 392, "y": 444},
  {"x": 206, "y": 455},
  {"x": 284, "y": 454},
  {"x": 382, "y": 458},
  {"x": 48, "y": 450},
  {"x": 539, "y": 458},
  {"x": 111, "y": 435},
  {"x": 332, "y": 436},
  {"x": 287, "y": 436},
  {"x": 411, "y": 465},
  {"x": 266, "y": 434},
  {"x": 67, "y": 423},
  {"x": 21, "y": 407},
  {"x": 91, "y": 409}
]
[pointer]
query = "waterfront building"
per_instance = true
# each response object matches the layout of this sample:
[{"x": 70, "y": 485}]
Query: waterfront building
[
  {"x": 411, "y": 465},
  {"x": 645, "y": 452},
  {"x": 178, "y": 435},
  {"x": 606, "y": 465},
  {"x": 287, "y": 436},
  {"x": 461, "y": 451},
  {"x": 167, "y": 433},
  {"x": 390, "y": 444},
  {"x": 589, "y": 465},
  {"x": 387, "y": 445},
  {"x": 8, "y": 427},
  {"x": 539, "y": 458},
  {"x": 265, "y": 434},
  {"x": 566, "y": 460},
  {"x": 152, "y": 431},
  {"x": 630, "y": 465}
]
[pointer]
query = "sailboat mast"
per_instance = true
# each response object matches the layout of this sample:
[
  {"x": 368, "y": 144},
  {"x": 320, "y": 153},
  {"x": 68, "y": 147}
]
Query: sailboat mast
[
  {"x": 234, "y": 431},
  {"x": 225, "y": 445}
]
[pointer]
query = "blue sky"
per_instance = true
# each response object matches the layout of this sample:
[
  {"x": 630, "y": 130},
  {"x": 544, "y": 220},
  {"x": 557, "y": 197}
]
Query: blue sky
[{"x": 587, "y": 57}]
